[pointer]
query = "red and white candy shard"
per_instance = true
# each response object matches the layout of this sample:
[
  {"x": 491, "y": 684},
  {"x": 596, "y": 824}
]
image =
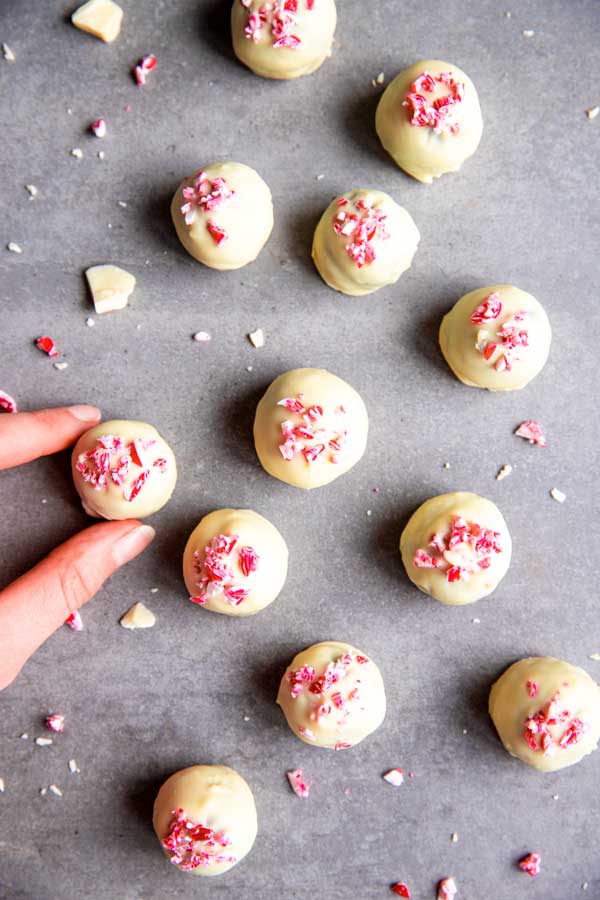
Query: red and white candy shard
[
  {"x": 440, "y": 114},
  {"x": 143, "y": 68},
  {"x": 98, "y": 128},
  {"x": 46, "y": 345},
  {"x": 276, "y": 18},
  {"x": 531, "y": 864},
  {"x": 537, "y": 732},
  {"x": 532, "y": 432},
  {"x": 339, "y": 705},
  {"x": 512, "y": 337},
  {"x": 206, "y": 195},
  {"x": 111, "y": 460},
  {"x": 74, "y": 621},
  {"x": 55, "y": 723},
  {"x": 394, "y": 777},
  {"x": 216, "y": 568},
  {"x": 191, "y": 845},
  {"x": 400, "y": 890},
  {"x": 465, "y": 550},
  {"x": 8, "y": 403},
  {"x": 447, "y": 889},
  {"x": 297, "y": 783},
  {"x": 361, "y": 224},
  {"x": 312, "y": 435}
]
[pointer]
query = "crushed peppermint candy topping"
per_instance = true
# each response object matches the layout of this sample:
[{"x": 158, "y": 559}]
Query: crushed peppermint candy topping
[
  {"x": 297, "y": 783},
  {"x": 532, "y": 688},
  {"x": 206, "y": 195},
  {"x": 361, "y": 224},
  {"x": 143, "y": 68},
  {"x": 278, "y": 17},
  {"x": 394, "y": 777},
  {"x": 531, "y": 864},
  {"x": 538, "y": 734},
  {"x": 55, "y": 723},
  {"x": 440, "y": 113},
  {"x": 74, "y": 621},
  {"x": 312, "y": 436},
  {"x": 488, "y": 310},
  {"x": 510, "y": 339},
  {"x": 8, "y": 403},
  {"x": 191, "y": 845},
  {"x": 216, "y": 569},
  {"x": 112, "y": 460},
  {"x": 336, "y": 705},
  {"x": 400, "y": 890},
  {"x": 46, "y": 345},
  {"x": 467, "y": 549},
  {"x": 532, "y": 432},
  {"x": 98, "y": 127},
  {"x": 447, "y": 889}
]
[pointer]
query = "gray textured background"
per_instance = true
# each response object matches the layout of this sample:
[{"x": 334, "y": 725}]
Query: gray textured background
[{"x": 140, "y": 705}]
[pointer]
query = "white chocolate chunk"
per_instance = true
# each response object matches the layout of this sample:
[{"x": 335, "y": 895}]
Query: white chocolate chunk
[
  {"x": 110, "y": 287},
  {"x": 7, "y": 53},
  {"x": 257, "y": 338},
  {"x": 102, "y": 18},
  {"x": 2, "y": 786},
  {"x": 558, "y": 495},
  {"x": 139, "y": 616},
  {"x": 504, "y": 472},
  {"x": 592, "y": 112}
]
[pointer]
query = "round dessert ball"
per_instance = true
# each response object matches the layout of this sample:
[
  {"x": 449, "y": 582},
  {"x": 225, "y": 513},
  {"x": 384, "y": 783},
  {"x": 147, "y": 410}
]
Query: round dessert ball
[
  {"x": 363, "y": 242},
  {"x": 429, "y": 119},
  {"x": 332, "y": 695},
  {"x": 310, "y": 427},
  {"x": 283, "y": 38},
  {"x": 223, "y": 215},
  {"x": 456, "y": 548},
  {"x": 496, "y": 337},
  {"x": 235, "y": 562},
  {"x": 546, "y": 712},
  {"x": 123, "y": 469},
  {"x": 205, "y": 819}
]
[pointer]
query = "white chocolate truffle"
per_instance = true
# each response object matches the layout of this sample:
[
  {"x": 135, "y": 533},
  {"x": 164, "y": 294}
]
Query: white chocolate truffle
[
  {"x": 456, "y": 547},
  {"x": 546, "y": 712},
  {"x": 235, "y": 562},
  {"x": 205, "y": 819},
  {"x": 123, "y": 469},
  {"x": 310, "y": 428},
  {"x": 223, "y": 215},
  {"x": 496, "y": 337},
  {"x": 283, "y": 38},
  {"x": 332, "y": 696},
  {"x": 363, "y": 242},
  {"x": 429, "y": 119}
]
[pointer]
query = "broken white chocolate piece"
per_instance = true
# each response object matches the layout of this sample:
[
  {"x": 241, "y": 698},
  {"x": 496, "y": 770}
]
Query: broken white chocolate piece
[
  {"x": 139, "y": 616},
  {"x": 558, "y": 495},
  {"x": 102, "y": 18},
  {"x": 257, "y": 338},
  {"x": 110, "y": 287}
]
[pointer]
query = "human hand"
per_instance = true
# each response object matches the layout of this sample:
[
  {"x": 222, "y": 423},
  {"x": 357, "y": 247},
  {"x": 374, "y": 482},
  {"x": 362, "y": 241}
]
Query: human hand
[{"x": 37, "y": 603}]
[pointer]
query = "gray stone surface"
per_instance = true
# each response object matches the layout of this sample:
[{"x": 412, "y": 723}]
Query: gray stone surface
[{"x": 140, "y": 705}]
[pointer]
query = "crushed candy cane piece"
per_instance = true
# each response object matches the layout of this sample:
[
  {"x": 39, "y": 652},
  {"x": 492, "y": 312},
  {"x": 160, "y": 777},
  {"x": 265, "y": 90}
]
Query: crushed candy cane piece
[
  {"x": 43, "y": 742},
  {"x": 8, "y": 403},
  {"x": 14, "y": 247},
  {"x": 461, "y": 552},
  {"x": 488, "y": 310},
  {"x": 200, "y": 193},
  {"x": 360, "y": 224},
  {"x": 558, "y": 495},
  {"x": 257, "y": 338},
  {"x": 592, "y": 112},
  {"x": 447, "y": 889},
  {"x": 217, "y": 569},
  {"x": 54, "y": 789},
  {"x": 540, "y": 738},
  {"x": 139, "y": 616},
  {"x": 191, "y": 845},
  {"x": 98, "y": 127},
  {"x": 46, "y": 345},
  {"x": 110, "y": 461},
  {"x": 532, "y": 432},
  {"x": 400, "y": 890},
  {"x": 218, "y": 234},
  {"x": 532, "y": 688},
  {"x": 102, "y": 18},
  {"x": 73, "y": 767},
  {"x": 440, "y": 114},
  {"x": 315, "y": 436},
  {"x": 277, "y": 18},
  {"x": 77, "y": 152},
  {"x": 110, "y": 287},
  {"x": 394, "y": 777},
  {"x": 31, "y": 190},
  {"x": 143, "y": 69},
  {"x": 202, "y": 337},
  {"x": 74, "y": 621},
  {"x": 8, "y": 54},
  {"x": 531, "y": 864},
  {"x": 55, "y": 723},
  {"x": 297, "y": 783},
  {"x": 504, "y": 472}
]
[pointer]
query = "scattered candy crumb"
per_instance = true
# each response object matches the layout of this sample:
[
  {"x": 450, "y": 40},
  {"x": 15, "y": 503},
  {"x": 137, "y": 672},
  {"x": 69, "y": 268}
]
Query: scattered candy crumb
[
  {"x": 46, "y": 345},
  {"x": 24, "y": 736},
  {"x": 379, "y": 79},
  {"x": 43, "y": 741},
  {"x": 454, "y": 837},
  {"x": 43, "y": 791},
  {"x": 73, "y": 767},
  {"x": 8, "y": 403},
  {"x": 2, "y": 786},
  {"x": 201, "y": 337},
  {"x": 55, "y": 723},
  {"x": 297, "y": 783},
  {"x": 14, "y": 247},
  {"x": 532, "y": 432},
  {"x": 446, "y": 465},
  {"x": 400, "y": 890},
  {"x": 98, "y": 128},
  {"x": 504, "y": 471},
  {"x": 154, "y": 590},
  {"x": 257, "y": 338},
  {"x": 54, "y": 789},
  {"x": 555, "y": 796},
  {"x": 31, "y": 190},
  {"x": 531, "y": 864},
  {"x": 558, "y": 495},
  {"x": 101, "y": 154},
  {"x": 7, "y": 53},
  {"x": 528, "y": 33},
  {"x": 394, "y": 777},
  {"x": 75, "y": 622},
  {"x": 90, "y": 322},
  {"x": 122, "y": 204},
  {"x": 595, "y": 657},
  {"x": 61, "y": 365},
  {"x": 77, "y": 152},
  {"x": 143, "y": 68},
  {"x": 476, "y": 621},
  {"x": 447, "y": 889},
  {"x": 592, "y": 112}
]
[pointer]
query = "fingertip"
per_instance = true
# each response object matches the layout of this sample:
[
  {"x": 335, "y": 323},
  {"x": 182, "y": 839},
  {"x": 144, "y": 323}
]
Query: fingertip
[
  {"x": 132, "y": 543},
  {"x": 84, "y": 413}
]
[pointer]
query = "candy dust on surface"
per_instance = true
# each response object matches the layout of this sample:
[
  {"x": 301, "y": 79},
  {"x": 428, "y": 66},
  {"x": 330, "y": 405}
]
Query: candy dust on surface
[
  {"x": 221, "y": 566},
  {"x": 111, "y": 460},
  {"x": 538, "y": 734},
  {"x": 297, "y": 783},
  {"x": 312, "y": 435},
  {"x": 361, "y": 224},
  {"x": 465, "y": 550},
  {"x": 438, "y": 113},
  {"x": 276, "y": 19},
  {"x": 190, "y": 845}
]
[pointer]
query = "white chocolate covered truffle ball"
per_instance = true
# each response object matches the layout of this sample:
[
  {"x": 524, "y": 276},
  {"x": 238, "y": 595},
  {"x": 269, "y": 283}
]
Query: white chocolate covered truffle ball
[
  {"x": 496, "y": 337},
  {"x": 310, "y": 428},
  {"x": 546, "y": 712},
  {"x": 429, "y": 119},
  {"x": 123, "y": 469},
  {"x": 235, "y": 562},
  {"x": 205, "y": 819},
  {"x": 363, "y": 242},
  {"x": 223, "y": 215},
  {"x": 332, "y": 695},
  {"x": 283, "y": 38},
  {"x": 456, "y": 547}
]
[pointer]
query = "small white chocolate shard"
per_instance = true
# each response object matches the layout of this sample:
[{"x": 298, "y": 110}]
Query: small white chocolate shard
[
  {"x": 257, "y": 338},
  {"x": 139, "y": 616},
  {"x": 558, "y": 495},
  {"x": 110, "y": 287},
  {"x": 7, "y": 53},
  {"x": 102, "y": 18}
]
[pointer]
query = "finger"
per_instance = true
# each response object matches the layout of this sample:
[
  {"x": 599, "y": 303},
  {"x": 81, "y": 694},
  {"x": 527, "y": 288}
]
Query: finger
[
  {"x": 25, "y": 436},
  {"x": 37, "y": 603}
]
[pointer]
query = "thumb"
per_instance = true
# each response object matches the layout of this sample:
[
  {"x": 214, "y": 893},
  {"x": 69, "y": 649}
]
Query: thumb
[{"x": 37, "y": 603}]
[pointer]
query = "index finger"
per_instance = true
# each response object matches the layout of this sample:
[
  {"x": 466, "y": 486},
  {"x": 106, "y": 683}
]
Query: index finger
[{"x": 27, "y": 435}]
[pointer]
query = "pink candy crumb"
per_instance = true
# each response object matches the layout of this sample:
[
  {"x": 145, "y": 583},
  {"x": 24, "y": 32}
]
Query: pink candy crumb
[
  {"x": 532, "y": 432},
  {"x": 55, "y": 723},
  {"x": 8, "y": 403},
  {"x": 297, "y": 783},
  {"x": 98, "y": 128},
  {"x": 394, "y": 777},
  {"x": 400, "y": 890},
  {"x": 531, "y": 864},
  {"x": 46, "y": 345},
  {"x": 447, "y": 889},
  {"x": 74, "y": 621},
  {"x": 143, "y": 68}
]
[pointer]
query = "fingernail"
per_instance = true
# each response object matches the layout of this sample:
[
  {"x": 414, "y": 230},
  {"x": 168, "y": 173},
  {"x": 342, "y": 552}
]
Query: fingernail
[
  {"x": 132, "y": 543},
  {"x": 85, "y": 413}
]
